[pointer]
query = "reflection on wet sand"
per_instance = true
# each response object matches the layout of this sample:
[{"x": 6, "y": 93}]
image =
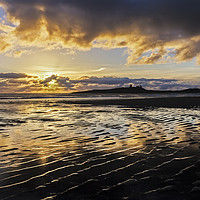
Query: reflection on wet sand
[{"x": 65, "y": 151}]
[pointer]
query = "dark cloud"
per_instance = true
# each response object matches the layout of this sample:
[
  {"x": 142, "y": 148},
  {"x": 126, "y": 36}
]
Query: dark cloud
[
  {"x": 103, "y": 80},
  {"x": 168, "y": 14},
  {"x": 13, "y": 75},
  {"x": 152, "y": 26}
]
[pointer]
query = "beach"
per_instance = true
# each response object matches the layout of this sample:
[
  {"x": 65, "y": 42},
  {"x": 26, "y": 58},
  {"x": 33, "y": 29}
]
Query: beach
[
  {"x": 167, "y": 102},
  {"x": 104, "y": 149},
  {"x": 99, "y": 100}
]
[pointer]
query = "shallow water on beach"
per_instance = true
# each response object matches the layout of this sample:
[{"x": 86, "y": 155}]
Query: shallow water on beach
[{"x": 51, "y": 150}]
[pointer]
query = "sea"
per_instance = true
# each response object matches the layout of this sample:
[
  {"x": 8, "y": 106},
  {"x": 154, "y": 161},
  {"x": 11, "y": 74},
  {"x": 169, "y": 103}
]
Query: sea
[{"x": 52, "y": 149}]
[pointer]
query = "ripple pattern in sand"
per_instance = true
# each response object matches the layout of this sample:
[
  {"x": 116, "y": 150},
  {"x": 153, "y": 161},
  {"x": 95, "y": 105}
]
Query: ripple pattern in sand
[{"x": 59, "y": 151}]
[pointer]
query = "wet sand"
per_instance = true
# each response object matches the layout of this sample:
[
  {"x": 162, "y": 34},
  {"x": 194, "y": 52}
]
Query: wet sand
[
  {"x": 61, "y": 151},
  {"x": 168, "y": 102}
]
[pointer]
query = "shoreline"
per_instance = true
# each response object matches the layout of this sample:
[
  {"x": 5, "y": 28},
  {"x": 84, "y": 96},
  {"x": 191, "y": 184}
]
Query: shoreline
[
  {"x": 156, "y": 102},
  {"x": 168, "y": 102}
]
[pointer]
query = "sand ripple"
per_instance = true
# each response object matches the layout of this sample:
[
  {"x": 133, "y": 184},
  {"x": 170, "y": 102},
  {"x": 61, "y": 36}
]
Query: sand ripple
[{"x": 65, "y": 151}]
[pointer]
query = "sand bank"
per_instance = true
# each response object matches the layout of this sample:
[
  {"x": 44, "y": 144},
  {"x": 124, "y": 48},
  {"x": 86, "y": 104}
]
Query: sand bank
[{"x": 169, "y": 102}]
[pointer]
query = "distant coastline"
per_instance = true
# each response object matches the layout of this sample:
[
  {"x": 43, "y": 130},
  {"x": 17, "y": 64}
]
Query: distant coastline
[
  {"x": 158, "y": 101},
  {"x": 136, "y": 97},
  {"x": 136, "y": 90}
]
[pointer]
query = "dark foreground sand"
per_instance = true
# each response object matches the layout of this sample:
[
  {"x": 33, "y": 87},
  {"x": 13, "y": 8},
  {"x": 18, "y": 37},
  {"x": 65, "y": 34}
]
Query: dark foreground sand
[
  {"x": 59, "y": 151},
  {"x": 169, "y": 102}
]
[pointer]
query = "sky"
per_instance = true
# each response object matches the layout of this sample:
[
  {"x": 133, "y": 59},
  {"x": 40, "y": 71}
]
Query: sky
[{"x": 73, "y": 45}]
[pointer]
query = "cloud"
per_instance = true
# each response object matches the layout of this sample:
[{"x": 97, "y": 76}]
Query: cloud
[
  {"x": 13, "y": 75},
  {"x": 93, "y": 82},
  {"x": 153, "y": 31},
  {"x": 49, "y": 79},
  {"x": 13, "y": 82},
  {"x": 100, "y": 69}
]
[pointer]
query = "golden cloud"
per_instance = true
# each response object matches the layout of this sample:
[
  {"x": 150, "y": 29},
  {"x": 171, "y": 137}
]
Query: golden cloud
[{"x": 161, "y": 33}]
